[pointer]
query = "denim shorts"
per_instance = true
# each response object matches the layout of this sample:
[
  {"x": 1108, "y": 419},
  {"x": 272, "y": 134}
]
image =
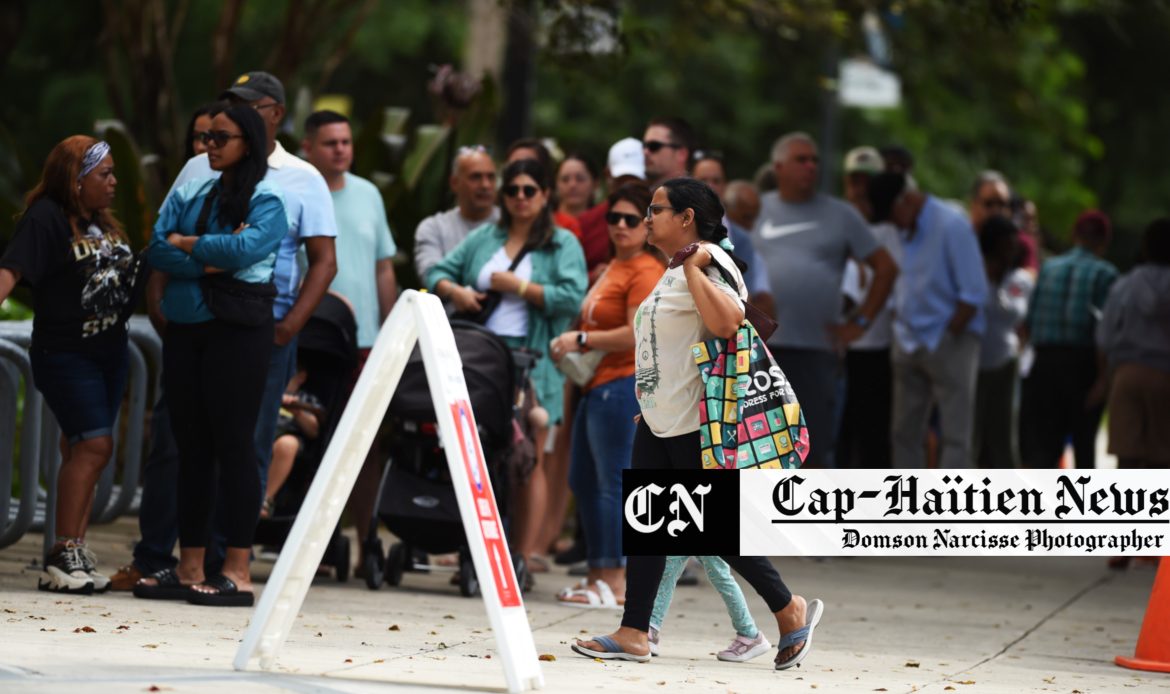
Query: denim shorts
[{"x": 84, "y": 391}]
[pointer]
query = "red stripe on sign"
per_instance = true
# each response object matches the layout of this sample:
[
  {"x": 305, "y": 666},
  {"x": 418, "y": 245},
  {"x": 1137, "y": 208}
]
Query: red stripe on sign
[{"x": 484, "y": 504}]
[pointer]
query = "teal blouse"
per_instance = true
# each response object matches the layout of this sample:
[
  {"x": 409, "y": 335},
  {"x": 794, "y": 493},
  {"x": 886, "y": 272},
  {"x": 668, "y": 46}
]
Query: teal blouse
[{"x": 559, "y": 267}]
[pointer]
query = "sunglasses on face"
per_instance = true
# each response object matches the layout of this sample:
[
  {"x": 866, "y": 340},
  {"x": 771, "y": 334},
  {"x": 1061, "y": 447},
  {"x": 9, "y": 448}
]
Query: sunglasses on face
[
  {"x": 218, "y": 138},
  {"x": 655, "y": 209},
  {"x": 614, "y": 218},
  {"x": 514, "y": 190},
  {"x": 653, "y": 146}
]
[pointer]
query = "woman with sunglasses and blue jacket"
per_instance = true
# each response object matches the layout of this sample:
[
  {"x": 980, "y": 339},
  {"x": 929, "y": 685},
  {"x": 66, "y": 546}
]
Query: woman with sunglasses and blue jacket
[
  {"x": 541, "y": 295},
  {"x": 216, "y": 239}
]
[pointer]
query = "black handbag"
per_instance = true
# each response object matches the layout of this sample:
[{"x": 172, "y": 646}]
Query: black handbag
[
  {"x": 231, "y": 300},
  {"x": 492, "y": 301}
]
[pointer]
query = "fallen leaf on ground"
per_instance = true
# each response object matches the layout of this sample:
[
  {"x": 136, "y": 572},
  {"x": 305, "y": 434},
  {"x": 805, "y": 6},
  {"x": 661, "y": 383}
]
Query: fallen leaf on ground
[
  {"x": 379, "y": 660},
  {"x": 548, "y": 657},
  {"x": 84, "y": 630},
  {"x": 393, "y": 627},
  {"x": 448, "y": 616},
  {"x": 121, "y": 627},
  {"x": 349, "y": 660},
  {"x": 965, "y": 682},
  {"x": 150, "y": 645},
  {"x": 913, "y": 663}
]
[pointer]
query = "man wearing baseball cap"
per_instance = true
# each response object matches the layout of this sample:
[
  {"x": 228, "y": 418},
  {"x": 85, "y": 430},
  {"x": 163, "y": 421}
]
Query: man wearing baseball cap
[
  {"x": 625, "y": 164},
  {"x": 863, "y": 440},
  {"x": 311, "y": 222}
]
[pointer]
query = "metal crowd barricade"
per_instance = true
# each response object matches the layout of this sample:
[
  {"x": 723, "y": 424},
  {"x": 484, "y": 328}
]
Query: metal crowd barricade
[
  {"x": 40, "y": 427},
  {"x": 15, "y": 364}
]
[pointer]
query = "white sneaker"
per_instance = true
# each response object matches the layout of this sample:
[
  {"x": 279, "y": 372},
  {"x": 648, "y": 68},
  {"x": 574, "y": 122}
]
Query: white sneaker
[
  {"x": 66, "y": 571},
  {"x": 101, "y": 582},
  {"x": 743, "y": 649}
]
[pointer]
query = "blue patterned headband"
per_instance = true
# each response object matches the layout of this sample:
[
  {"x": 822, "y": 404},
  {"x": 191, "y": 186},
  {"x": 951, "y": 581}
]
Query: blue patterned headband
[{"x": 93, "y": 156}]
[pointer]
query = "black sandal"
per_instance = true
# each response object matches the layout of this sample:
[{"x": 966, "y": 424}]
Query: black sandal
[
  {"x": 226, "y": 594},
  {"x": 167, "y": 586}
]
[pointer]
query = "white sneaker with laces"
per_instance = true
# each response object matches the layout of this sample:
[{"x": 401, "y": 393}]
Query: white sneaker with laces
[
  {"x": 66, "y": 571},
  {"x": 743, "y": 649},
  {"x": 101, "y": 582}
]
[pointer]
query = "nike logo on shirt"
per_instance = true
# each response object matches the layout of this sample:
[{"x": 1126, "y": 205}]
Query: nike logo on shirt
[{"x": 775, "y": 231}]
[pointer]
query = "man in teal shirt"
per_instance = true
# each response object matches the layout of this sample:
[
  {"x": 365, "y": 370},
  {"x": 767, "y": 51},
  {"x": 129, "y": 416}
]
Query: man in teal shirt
[
  {"x": 365, "y": 249},
  {"x": 365, "y": 262}
]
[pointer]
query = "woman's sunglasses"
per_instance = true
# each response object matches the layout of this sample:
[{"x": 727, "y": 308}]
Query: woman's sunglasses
[
  {"x": 514, "y": 190},
  {"x": 615, "y": 218},
  {"x": 218, "y": 137}
]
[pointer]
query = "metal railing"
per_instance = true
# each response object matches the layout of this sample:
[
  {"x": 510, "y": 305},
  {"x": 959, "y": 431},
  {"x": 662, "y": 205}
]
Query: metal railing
[{"x": 40, "y": 456}]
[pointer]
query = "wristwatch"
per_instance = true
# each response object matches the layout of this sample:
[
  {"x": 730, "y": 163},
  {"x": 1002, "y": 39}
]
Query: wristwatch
[
  {"x": 861, "y": 320},
  {"x": 582, "y": 338}
]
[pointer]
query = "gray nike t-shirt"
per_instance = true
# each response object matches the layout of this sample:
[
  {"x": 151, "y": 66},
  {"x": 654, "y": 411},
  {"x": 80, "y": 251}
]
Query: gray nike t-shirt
[{"x": 805, "y": 247}]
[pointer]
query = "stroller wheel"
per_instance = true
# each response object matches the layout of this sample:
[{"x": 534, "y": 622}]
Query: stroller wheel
[
  {"x": 468, "y": 583},
  {"x": 340, "y": 557},
  {"x": 373, "y": 562},
  {"x": 396, "y": 560}
]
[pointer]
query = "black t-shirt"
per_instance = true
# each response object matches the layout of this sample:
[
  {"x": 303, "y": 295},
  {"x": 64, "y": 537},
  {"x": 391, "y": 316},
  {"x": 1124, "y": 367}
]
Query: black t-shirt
[{"x": 82, "y": 288}]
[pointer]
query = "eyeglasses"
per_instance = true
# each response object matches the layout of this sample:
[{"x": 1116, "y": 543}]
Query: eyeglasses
[
  {"x": 218, "y": 138},
  {"x": 514, "y": 190},
  {"x": 655, "y": 209},
  {"x": 653, "y": 146},
  {"x": 614, "y": 218}
]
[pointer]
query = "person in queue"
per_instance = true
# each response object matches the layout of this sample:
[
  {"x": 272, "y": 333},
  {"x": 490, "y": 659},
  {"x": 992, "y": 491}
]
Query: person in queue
[
  {"x": 603, "y": 424},
  {"x": 539, "y": 270},
  {"x": 215, "y": 363},
  {"x": 71, "y": 251}
]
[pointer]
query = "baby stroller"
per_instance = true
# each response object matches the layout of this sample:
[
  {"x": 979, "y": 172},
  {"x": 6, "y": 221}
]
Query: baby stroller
[
  {"x": 327, "y": 347},
  {"x": 416, "y": 499}
]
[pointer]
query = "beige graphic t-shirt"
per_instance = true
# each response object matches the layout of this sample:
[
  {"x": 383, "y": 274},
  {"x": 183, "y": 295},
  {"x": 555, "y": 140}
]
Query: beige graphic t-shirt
[{"x": 667, "y": 323}]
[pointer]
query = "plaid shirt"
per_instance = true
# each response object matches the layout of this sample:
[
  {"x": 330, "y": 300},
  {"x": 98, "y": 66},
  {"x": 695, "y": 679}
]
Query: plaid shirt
[{"x": 1069, "y": 296}]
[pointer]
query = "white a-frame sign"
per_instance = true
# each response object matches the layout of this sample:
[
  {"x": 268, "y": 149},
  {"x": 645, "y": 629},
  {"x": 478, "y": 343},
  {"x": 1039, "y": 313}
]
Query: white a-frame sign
[{"x": 416, "y": 317}]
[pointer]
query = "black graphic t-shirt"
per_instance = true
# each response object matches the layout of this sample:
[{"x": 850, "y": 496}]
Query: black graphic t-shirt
[{"x": 82, "y": 288}]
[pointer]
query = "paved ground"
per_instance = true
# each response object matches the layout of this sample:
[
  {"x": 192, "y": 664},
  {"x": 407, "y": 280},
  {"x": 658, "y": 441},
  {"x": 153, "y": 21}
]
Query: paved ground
[{"x": 914, "y": 625}]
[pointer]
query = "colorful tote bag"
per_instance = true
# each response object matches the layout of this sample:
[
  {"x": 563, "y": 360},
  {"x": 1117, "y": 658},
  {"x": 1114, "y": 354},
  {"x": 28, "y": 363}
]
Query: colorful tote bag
[{"x": 749, "y": 416}]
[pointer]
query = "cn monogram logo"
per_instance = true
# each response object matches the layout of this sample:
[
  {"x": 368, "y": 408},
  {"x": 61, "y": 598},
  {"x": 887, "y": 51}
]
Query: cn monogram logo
[{"x": 640, "y": 508}]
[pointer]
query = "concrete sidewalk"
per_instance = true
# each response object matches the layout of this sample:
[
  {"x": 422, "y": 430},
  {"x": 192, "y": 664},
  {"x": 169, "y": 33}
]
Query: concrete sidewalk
[{"x": 910, "y": 625}]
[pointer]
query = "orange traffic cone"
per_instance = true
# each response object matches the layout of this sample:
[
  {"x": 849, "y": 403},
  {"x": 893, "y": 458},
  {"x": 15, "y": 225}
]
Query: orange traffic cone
[{"x": 1153, "y": 646}]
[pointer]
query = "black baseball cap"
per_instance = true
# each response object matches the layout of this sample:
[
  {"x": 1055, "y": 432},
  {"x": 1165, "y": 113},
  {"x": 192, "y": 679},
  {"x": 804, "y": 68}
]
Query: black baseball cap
[{"x": 253, "y": 86}]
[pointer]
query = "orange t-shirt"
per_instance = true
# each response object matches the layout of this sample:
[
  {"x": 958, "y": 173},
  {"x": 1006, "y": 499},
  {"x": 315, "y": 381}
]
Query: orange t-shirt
[{"x": 625, "y": 284}]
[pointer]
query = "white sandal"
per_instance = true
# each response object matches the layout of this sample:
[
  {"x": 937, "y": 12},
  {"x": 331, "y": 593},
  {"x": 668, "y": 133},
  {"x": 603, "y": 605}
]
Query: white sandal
[{"x": 599, "y": 597}]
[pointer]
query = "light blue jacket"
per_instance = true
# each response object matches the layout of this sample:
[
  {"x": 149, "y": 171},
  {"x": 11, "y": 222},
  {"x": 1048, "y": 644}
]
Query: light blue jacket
[
  {"x": 249, "y": 255},
  {"x": 559, "y": 267}
]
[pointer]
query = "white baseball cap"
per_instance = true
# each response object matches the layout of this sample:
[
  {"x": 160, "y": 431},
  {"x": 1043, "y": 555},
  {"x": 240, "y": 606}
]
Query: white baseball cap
[{"x": 627, "y": 159}]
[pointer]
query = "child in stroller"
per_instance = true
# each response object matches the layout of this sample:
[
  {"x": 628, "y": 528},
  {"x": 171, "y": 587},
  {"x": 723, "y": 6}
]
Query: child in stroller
[
  {"x": 298, "y": 424},
  {"x": 416, "y": 499}
]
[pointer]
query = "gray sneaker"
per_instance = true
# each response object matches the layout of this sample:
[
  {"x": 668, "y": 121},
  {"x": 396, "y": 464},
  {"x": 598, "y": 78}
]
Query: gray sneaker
[{"x": 743, "y": 649}]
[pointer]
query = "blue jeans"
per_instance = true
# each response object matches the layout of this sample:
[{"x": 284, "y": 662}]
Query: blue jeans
[
  {"x": 281, "y": 368},
  {"x": 603, "y": 440},
  {"x": 83, "y": 389}
]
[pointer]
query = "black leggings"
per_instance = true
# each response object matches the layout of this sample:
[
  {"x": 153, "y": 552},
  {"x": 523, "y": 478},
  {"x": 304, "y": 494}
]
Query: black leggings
[
  {"x": 643, "y": 574},
  {"x": 214, "y": 374}
]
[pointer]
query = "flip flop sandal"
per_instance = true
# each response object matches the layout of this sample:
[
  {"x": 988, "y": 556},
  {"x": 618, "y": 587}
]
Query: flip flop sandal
[
  {"x": 167, "y": 586},
  {"x": 813, "y": 617},
  {"x": 612, "y": 651},
  {"x": 598, "y": 597},
  {"x": 226, "y": 594}
]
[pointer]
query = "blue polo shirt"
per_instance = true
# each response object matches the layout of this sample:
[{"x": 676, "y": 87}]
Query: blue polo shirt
[
  {"x": 307, "y": 202},
  {"x": 941, "y": 266}
]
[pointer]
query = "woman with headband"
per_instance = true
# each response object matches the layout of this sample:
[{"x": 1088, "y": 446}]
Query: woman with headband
[{"x": 72, "y": 253}]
